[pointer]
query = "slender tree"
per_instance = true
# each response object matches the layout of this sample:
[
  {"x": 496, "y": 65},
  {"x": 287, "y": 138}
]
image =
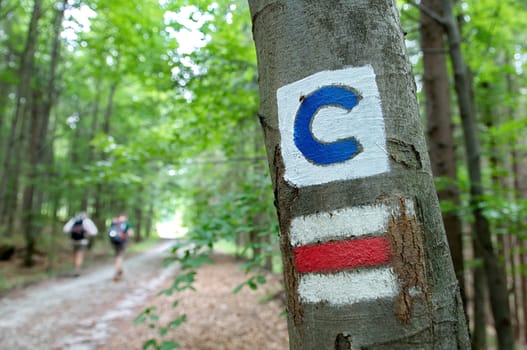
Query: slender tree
[
  {"x": 493, "y": 269},
  {"x": 440, "y": 128},
  {"x": 40, "y": 114},
  {"x": 9, "y": 177},
  {"x": 479, "y": 287},
  {"x": 366, "y": 260}
]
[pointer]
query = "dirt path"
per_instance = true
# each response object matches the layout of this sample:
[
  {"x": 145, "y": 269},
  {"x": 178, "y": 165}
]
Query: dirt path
[
  {"x": 217, "y": 319},
  {"x": 92, "y": 312},
  {"x": 79, "y": 313}
]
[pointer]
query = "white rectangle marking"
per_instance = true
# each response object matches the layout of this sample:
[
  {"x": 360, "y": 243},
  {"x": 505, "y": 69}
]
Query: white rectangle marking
[
  {"x": 348, "y": 287},
  {"x": 339, "y": 224}
]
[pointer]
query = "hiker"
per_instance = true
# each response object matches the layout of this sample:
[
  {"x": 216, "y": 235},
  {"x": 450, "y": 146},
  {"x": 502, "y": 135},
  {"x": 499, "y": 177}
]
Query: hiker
[
  {"x": 80, "y": 228},
  {"x": 118, "y": 233}
]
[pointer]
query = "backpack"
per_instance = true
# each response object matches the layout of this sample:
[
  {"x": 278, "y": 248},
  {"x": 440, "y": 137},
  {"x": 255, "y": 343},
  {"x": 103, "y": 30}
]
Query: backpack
[
  {"x": 117, "y": 232},
  {"x": 77, "y": 230}
]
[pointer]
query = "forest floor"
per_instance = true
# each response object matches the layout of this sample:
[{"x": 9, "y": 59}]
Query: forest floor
[{"x": 93, "y": 312}]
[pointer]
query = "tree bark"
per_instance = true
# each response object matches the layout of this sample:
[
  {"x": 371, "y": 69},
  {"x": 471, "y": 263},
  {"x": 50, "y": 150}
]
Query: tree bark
[
  {"x": 149, "y": 227},
  {"x": 39, "y": 122},
  {"x": 515, "y": 227},
  {"x": 106, "y": 128},
  {"x": 493, "y": 269},
  {"x": 338, "y": 47},
  {"x": 479, "y": 301},
  {"x": 519, "y": 173},
  {"x": 138, "y": 214},
  {"x": 440, "y": 129},
  {"x": 501, "y": 187},
  {"x": 28, "y": 211},
  {"x": 23, "y": 91}
]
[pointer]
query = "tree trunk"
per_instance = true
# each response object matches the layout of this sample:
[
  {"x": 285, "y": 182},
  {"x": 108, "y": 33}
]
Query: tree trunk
[
  {"x": 109, "y": 109},
  {"x": 91, "y": 135},
  {"x": 493, "y": 268},
  {"x": 499, "y": 164},
  {"x": 512, "y": 243},
  {"x": 479, "y": 336},
  {"x": 7, "y": 192},
  {"x": 149, "y": 219},
  {"x": 106, "y": 128},
  {"x": 138, "y": 218},
  {"x": 366, "y": 260},
  {"x": 479, "y": 332},
  {"x": 519, "y": 172},
  {"x": 9, "y": 56},
  {"x": 440, "y": 129},
  {"x": 98, "y": 211},
  {"x": 40, "y": 114},
  {"x": 514, "y": 240},
  {"x": 28, "y": 211}
]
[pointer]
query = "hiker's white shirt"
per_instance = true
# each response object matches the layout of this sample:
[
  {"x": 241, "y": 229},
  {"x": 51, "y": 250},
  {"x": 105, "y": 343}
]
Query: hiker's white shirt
[{"x": 87, "y": 224}]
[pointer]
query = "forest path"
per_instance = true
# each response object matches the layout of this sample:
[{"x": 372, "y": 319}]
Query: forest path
[
  {"x": 92, "y": 312},
  {"x": 80, "y": 313}
]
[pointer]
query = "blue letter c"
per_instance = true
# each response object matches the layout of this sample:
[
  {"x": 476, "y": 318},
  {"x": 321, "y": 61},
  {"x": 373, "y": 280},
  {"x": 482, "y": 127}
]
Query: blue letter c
[{"x": 314, "y": 150}]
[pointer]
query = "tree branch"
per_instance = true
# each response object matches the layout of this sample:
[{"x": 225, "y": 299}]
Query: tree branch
[{"x": 428, "y": 12}]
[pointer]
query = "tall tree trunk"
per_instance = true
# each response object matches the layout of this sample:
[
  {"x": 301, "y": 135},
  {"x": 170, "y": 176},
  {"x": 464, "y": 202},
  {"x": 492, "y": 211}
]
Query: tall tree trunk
[
  {"x": 138, "y": 232},
  {"x": 55, "y": 58},
  {"x": 515, "y": 227},
  {"x": 493, "y": 269},
  {"x": 479, "y": 333},
  {"x": 345, "y": 63},
  {"x": 4, "y": 92},
  {"x": 106, "y": 128},
  {"x": 8, "y": 192},
  {"x": 76, "y": 160},
  {"x": 523, "y": 285},
  {"x": 499, "y": 164},
  {"x": 519, "y": 173},
  {"x": 138, "y": 215},
  {"x": 88, "y": 193},
  {"x": 28, "y": 212},
  {"x": 480, "y": 304},
  {"x": 98, "y": 210},
  {"x": 515, "y": 294},
  {"x": 40, "y": 114},
  {"x": 149, "y": 219},
  {"x": 440, "y": 129},
  {"x": 5, "y": 86}
]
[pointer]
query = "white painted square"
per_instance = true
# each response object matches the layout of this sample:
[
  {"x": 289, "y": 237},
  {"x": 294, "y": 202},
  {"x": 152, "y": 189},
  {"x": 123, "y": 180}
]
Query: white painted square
[
  {"x": 340, "y": 224},
  {"x": 348, "y": 287},
  {"x": 365, "y": 122}
]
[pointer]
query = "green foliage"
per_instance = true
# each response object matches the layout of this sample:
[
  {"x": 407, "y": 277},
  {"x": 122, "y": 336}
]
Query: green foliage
[
  {"x": 252, "y": 283},
  {"x": 165, "y": 345},
  {"x": 152, "y": 319},
  {"x": 181, "y": 283},
  {"x": 146, "y": 315}
]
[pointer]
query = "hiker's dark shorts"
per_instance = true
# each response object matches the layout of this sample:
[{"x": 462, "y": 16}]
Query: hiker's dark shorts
[
  {"x": 79, "y": 245},
  {"x": 119, "y": 248}
]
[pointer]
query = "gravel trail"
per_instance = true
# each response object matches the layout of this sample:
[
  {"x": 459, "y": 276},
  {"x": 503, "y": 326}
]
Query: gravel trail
[
  {"x": 91, "y": 312},
  {"x": 81, "y": 313}
]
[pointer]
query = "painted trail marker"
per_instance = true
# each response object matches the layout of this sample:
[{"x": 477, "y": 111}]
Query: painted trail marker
[
  {"x": 332, "y": 127},
  {"x": 344, "y": 257},
  {"x": 316, "y": 151}
]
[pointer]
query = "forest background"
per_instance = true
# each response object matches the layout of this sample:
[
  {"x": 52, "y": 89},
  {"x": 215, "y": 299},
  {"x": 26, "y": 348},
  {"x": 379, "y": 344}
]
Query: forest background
[{"x": 150, "y": 107}]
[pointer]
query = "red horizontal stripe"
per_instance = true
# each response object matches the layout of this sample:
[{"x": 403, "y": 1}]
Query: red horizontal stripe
[{"x": 342, "y": 255}]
